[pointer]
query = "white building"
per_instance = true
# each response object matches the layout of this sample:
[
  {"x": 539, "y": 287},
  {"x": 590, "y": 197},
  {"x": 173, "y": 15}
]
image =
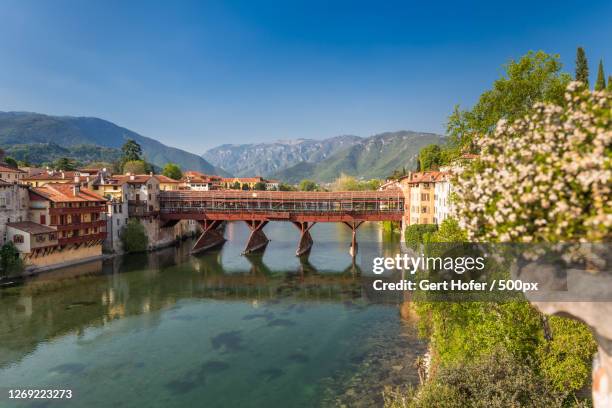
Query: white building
[
  {"x": 14, "y": 206},
  {"x": 443, "y": 189}
]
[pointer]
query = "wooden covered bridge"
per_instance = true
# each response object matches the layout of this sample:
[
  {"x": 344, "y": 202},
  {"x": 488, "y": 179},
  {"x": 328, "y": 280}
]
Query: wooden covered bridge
[{"x": 257, "y": 208}]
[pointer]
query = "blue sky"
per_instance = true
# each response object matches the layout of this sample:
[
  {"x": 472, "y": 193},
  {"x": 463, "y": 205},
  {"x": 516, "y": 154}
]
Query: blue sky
[{"x": 198, "y": 74}]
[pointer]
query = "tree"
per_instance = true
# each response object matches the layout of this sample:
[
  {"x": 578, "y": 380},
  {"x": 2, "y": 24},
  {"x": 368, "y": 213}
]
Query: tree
[
  {"x": 236, "y": 185},
  {"x": 11, "y": 162},
  {"x": 600, "y": 84},
  {"x": 10, "y": 262},
  {"x": 173, "y": 171},
  {"x": 260, "y": 186},
  {"x": 609, "y": 87},
  {"x": 536, "y": 77},
  {"x": 566, "y": 204},
  {"x": 131, "y": 150},
  {"x": 430, "y": 157},
  {"x": 2, "y": 154},
  {"x": 134, "y": 237},
  {"x": 135, "y": 167},
  {"x": 285, "y": 187},
  {"x": 308, "y": 185},
  {"x": 245, "y": 187},
  {"x": 582, "y": 67},
  {"x": 65, "y": 164}
]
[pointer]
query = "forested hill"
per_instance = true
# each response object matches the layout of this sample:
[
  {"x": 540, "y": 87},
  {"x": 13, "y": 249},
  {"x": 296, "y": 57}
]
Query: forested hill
[{"x": 41, "y": 138}]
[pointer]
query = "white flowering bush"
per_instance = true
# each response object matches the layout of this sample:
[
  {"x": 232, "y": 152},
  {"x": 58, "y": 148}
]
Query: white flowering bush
[{"x": 544, "y": 178}]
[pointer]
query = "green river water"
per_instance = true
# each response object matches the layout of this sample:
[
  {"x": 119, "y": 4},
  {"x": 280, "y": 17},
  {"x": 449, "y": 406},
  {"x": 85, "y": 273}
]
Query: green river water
[{"x": 170, "y": 329}]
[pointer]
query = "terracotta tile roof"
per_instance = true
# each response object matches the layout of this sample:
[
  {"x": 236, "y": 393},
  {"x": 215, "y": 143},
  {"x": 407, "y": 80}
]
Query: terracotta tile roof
[
  {"x": 8, "y": 169},
  {"x": 425, "y": 177},
  {"x": 243, "y": 179},
  {"x": 133, "y": 179},
  {"x": 66, "y": 175},
  {"x": 30, "y": 227},
  {"x": 58, "y": 192},
  {"x": 164, "y": 179}
]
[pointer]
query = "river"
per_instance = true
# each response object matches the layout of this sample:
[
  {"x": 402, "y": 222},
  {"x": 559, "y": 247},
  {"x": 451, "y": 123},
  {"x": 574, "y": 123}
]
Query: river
[{"x": 170, "y": 329}]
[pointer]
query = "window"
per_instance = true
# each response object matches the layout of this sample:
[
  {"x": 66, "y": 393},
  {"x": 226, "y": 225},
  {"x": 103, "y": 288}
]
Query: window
[
  {"x": 52, "y": 236},
  {"x": 18, "y": 239},
  {"x": 40, "y": 238},
  {"x": 43, "y": 219},
  {"x": 118, "y": 221}
]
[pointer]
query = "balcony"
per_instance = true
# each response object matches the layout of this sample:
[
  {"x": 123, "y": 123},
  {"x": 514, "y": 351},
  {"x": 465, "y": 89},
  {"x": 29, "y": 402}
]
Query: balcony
[
  {"x": 79, "y": 225},
  {"x": 77, "y": 210},
  {"x": 100, "y": 236}
]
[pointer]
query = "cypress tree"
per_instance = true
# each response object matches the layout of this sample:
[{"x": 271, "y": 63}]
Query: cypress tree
[
  {"x": 609, "y": 88},
  {"x": 600, "y": 84},
  {"x": 582, "y": 67}
]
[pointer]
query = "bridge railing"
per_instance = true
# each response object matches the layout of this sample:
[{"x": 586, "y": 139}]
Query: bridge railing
[{"x": 280, "y": 201}]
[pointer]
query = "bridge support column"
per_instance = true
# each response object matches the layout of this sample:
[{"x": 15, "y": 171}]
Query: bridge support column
[
  {"x": 257, "y": 240},
  {"x": 305, "y": 244},
  {"x": 211, "y": 236},
  {"x": 353, "y": 225}
]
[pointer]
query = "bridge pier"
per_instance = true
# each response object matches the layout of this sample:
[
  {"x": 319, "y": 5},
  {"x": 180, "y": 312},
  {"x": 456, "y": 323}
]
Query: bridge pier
[
  {"x": 305, "y": 244},
  {"x": 211, "y": 236},
  {"x": 353, "y": 225},
  {"x": 257, "y": 240}
]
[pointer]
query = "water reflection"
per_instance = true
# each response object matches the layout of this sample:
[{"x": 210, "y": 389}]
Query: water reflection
[{"x": 216, "y": 328}]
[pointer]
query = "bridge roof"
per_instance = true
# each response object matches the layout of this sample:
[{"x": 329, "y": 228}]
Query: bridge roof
[{"x": 284, "y": 195}]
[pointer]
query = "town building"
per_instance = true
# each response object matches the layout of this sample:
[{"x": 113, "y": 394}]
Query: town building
[
  {"x": 443, "y": 207},
  {"x": 11, "y": 174},
  {"x": 116, "y": 194},
  {"x": 77, "y": 215},
  {"x": 247, "y": 183},
  {"x": 14, "y": 205},
  {"x": 142, "y": 194},
  {"x": 194, "y": 180},
  {"x": 167, "y": 183},
  {"x": 57, "y": 176}
]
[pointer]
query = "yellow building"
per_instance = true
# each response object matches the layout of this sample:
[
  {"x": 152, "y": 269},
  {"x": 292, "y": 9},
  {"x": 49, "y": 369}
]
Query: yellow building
[{"x": 419, "y": 189}]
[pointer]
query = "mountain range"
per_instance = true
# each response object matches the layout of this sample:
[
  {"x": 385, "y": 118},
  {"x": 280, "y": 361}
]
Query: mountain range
[
  {"x": 324, "y": 160},
  {"x": 42, "y": 138}
]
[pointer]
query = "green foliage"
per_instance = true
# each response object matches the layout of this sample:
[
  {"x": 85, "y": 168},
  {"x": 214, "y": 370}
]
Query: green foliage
[
  {"x": 131, "y": 151},
  {"x": 600, "y": 84},
  {"x": 286, "y": 187},
  {"x": 496, "y": 380},
  {"x": 134, "y": 237},
  {"x": 135, "y": 167},
  {"x": 245, "y": 187},
  {"x": 566, "y": 359},
  {"x": 349, "y": 183},
  {"x": 430, "y": 157},
  {"x": 308, "y": 185},
  {"x": 65, "y": 164},
  {"x": 449, "y": 231},
  {"x": 11, "y": 162},
  {"x": 415, "y": 233},
  {"x": 41, "y": 153},
  {"x": 10, "y": 262},
  {"x": 173, "y": 171},
  {"x": 582, "y": 67},
  {"x": 609, "y": 87},
  {"x": 235, "y": 186},
  {"x": 536, "y": 77},
  {"x": 260, "y": 186}
]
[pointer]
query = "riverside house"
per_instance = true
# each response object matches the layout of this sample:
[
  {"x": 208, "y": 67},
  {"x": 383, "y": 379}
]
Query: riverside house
[
  {"x": 11, "y": 174},
  {"x": 14, "y": 205},
  {"x": 74, "y": 212}
]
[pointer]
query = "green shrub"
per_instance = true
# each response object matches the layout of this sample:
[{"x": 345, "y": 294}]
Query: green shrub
[
  {"x": 495, "y": 380},
  {"x": 134, "y": 237},
  {"x": 415, "y": 233},
  {"x": 10, "y": 262}
]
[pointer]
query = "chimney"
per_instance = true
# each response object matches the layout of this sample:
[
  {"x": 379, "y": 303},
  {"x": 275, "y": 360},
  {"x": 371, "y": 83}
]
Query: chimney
[
  {"x": 131, "y": 177},
  {"x": 63, "y": 174},
  {"x": 151, "y": 173}
]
